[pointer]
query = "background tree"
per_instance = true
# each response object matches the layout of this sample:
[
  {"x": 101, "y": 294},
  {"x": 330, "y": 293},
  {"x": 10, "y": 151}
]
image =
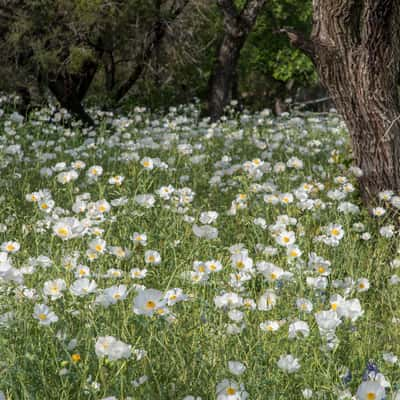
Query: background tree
[
  {"x": 270, "y": 69},
  {"x": 237, "y": 26}
]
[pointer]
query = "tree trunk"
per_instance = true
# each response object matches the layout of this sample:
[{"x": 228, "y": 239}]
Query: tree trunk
[
  {"x": 71, "y": 89},
  {"x": 68, "y": 99},
  {"x": 355, "y": 48},
  {"x": 158, "y": 33},
  {"x": 220, "y": 83},
  {"x": 237, "y": 26}
]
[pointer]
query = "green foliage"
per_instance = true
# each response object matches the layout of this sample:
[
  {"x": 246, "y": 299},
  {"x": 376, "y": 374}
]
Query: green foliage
[
  {"x": 78, "y": 57},
  {"x": 58, "y": 36},
  {"x": 293, "y": 64}
]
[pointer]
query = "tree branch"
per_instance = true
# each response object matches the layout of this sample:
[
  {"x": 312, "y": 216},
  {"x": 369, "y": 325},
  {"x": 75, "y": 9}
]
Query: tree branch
[
  {"x": 250, "y": 11},
  {"x": 299, "y": 41},
  {"x": 228, "y": 9}
]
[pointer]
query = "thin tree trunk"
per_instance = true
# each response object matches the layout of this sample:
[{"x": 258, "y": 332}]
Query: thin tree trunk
[
  {"x": 109, "y": 71},
  {"x": 237, "y": 26},
  {"x": 220, "y": 83},
  {"x": 355, "y": 48},
  {"x": 158, "y": 34}
]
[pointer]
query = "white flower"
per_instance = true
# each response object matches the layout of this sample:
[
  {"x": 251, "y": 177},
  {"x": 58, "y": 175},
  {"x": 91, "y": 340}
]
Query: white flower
[
  {"x": 335, "y": 231},
  {"x": 152, "y": 257},
  {"x": 148, "y": 301},
  {"x": 236, "y": 367},
  {"x": 83, "y": 287},
  {"x": 242, "y": 262},
  {"x": 94, "y": 172},
  {"x": 97, "y": 245},
  {"x": 267, "y": 301},
  {"x": 54, "y": 288},
  {"x": 304, "y": 305},
  {"x": 378, "y": 211},
  {"x": 230, "y": 299},
  {"x": 208, "y": 217},
  {"x": 10, "y": 247},
  {"x": 44, "y": 315},
  {"x": 370, "y": 390},
  {"x": 298, "y": 328},
  {"x": 390, "y": 358},
  {"x": 288, "y": 363},
  {"x": 231, "y": 390},
  {"x": 327, "y": 321},
  {"x": 109, "y": 346},
  {"x": 387, "y": 231},
  {"x": 205, "y": 231},
  {"x": 147, "y": 163},
  {"x": 270, "y": 271},
  {"x": 139, "y": 238},
  {"x": 145, "y": 200},
  {"x": 68, "y": 228},
  {"x": 270, "y": 326},
  {"x": 362, "y": 285},
  {"x": 286, "y": 238}
]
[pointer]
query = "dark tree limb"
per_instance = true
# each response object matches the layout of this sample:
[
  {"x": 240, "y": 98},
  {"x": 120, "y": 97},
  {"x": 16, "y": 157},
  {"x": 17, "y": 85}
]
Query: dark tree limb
[
  {"x": 237, "y": 26},
  {"x": 159, "y": 30}
]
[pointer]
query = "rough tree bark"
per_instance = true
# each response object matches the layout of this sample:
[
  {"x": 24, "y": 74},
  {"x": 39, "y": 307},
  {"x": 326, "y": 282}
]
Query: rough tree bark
[
  {"x": 237, "y": 26},
  {"x": 354, "y": 45}
]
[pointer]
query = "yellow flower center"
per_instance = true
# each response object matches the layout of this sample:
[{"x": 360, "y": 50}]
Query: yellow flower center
[
  {"x": 146, "y": 164},
  {"x": 230, "y": 391},
  {"x": 293, "y": 253},
  {"x": 240, "y": 264},
  {"x": 334, "y": 306},
  {"x": 321, "y": 270},
  {"x": 335, "y": 232},
  {"x": 273, "y": 276},
  {"x": 286, "y": 239},
  {"x": 10, "y": 247},
  {"x": 42, "y": 316},
  {"x": 63, "y": 232},
  {"x": 76, "y": 357},
  {"x": 371, "y": 396},
  {"x": 44, "y": 206},
  {"x": 102, "y": 208},
  {"x": 99, "y": 247},
  {"x": 150, "y": 305},
  {"x": 151, "y": 259}
]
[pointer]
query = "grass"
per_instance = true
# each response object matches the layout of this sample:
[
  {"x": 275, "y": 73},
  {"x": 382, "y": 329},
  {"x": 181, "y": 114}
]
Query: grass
[{"x": 188, "y": 349}]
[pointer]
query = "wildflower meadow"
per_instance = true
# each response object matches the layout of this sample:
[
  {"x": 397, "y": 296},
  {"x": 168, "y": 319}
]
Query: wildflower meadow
[{"x": 161, "y": 256}]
